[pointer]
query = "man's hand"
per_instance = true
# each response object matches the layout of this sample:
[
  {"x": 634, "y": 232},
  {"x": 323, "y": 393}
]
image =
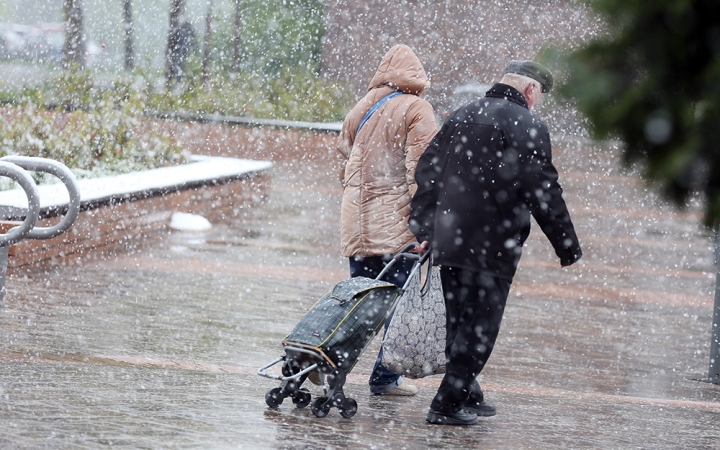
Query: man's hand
[{"x": 422, "y": 248}]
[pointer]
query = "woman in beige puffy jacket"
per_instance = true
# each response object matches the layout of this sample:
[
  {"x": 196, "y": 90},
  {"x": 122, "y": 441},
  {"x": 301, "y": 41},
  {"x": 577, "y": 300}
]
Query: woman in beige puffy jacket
[{"x": 378, "y": 177}]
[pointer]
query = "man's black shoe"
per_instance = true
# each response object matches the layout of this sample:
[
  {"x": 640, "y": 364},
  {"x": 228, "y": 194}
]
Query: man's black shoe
[
  {"x": 482, "y": 409},
  {"x": 461, "y": 417}
]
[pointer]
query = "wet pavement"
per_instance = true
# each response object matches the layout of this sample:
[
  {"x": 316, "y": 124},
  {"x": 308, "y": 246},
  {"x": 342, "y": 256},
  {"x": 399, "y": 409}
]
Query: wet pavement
[{"x": 158, "y": 346}]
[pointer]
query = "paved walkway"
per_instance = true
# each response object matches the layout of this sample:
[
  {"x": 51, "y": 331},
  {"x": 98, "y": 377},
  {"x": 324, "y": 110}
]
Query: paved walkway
[{"x": 158, "y": 346}]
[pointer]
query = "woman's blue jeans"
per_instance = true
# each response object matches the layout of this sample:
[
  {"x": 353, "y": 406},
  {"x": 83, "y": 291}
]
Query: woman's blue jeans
[{"x": 381, "y": 379}]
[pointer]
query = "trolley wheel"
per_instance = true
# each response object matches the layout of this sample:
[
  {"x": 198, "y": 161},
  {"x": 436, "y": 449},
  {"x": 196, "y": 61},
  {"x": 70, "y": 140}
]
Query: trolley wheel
[
  {"x": 301, "y": 398},
  {"x": 318, "y": 408},
  {"x": 273, "y": 398},
  {"x": 348, "y": 408}
]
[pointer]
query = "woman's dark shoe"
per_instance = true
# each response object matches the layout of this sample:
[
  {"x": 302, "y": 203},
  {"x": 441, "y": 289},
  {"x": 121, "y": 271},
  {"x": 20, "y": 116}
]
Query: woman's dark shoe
[
  {"x": 482, "y": 409},
  {"x": 461, "y": 417}
]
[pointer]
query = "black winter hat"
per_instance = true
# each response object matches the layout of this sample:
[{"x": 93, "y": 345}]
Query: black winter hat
[{"x": 533, "y": 70}]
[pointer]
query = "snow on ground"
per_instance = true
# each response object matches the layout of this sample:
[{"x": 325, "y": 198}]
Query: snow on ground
[{"x": 189, "y": 222}]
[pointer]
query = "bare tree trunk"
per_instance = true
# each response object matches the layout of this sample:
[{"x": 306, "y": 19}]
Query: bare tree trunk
[
  {"x": 129, "y": 50},
  {"x": 206, "y": 44},
  {"x": 236, "y": 39},
  {"x": 74, "y": 47},
  {"x": 177, "y": 7}
]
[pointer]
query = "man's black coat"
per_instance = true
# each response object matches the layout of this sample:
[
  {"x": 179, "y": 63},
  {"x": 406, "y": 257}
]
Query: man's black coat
[{"x": 484, "y": 173}]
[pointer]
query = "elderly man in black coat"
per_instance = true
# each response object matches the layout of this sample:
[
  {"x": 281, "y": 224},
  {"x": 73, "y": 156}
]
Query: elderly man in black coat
[{"x": 486, "y": 171}]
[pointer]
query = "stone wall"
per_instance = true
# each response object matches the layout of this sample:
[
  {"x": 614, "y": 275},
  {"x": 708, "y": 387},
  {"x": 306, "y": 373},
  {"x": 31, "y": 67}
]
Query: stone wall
[
  {"x": 101, "y": 230},
  {"x": 261, "y": 143}
]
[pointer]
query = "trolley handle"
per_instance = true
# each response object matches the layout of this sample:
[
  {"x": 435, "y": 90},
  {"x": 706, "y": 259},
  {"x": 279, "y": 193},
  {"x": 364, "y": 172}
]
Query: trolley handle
[
  {"x": 416, "y": 269},
  {"x": 405, "y": 253}
]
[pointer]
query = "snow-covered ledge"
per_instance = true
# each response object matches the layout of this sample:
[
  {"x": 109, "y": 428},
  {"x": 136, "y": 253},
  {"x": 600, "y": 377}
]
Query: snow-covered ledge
[
  {"x": 119, "y": 210},
  {"x": 95, "y": 192}
]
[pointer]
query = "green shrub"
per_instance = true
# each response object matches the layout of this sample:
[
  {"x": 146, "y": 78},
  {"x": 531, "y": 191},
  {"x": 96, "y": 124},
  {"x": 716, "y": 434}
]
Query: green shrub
[
  {"x": 275, "y": 35},
  {"x": 299, "y": 94},
  {"x": 109, "y": 137},
  {"x": 101, "y": 129}
]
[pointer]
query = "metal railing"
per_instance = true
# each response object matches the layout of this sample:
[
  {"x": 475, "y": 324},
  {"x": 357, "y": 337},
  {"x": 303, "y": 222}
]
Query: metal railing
[
  {"x": 322, "y": 127},
  {"x": 16, "y": 167}
]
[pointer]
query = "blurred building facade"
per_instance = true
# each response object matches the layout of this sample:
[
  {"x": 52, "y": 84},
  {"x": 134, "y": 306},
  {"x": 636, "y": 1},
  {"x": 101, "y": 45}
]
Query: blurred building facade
[{"x": 462, "y": 43}]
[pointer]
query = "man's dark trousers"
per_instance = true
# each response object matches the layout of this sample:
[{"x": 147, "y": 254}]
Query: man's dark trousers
[{"x": 474, "y": 304}]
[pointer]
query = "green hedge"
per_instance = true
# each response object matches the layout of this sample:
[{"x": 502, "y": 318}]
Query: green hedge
[
  {"x": 299, "y": 94},
  {"x": 101, "y": 129},
  {"x": 109, "y": 135}
]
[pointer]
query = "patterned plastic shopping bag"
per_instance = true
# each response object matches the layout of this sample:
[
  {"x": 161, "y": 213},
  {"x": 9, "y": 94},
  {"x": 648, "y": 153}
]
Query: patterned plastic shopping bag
[{"x": 414, "y": 343}]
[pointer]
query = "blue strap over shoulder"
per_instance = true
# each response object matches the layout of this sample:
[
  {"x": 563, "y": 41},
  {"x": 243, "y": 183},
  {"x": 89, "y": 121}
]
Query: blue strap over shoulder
[{"x": 375, "y": 107}]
